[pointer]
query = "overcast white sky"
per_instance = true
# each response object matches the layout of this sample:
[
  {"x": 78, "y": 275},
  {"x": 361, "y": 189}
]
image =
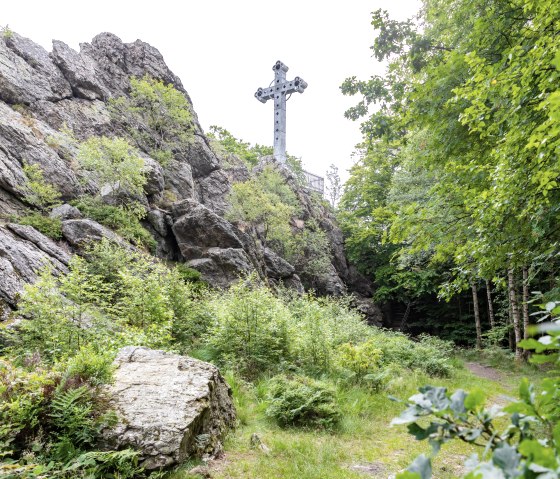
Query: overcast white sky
[{"x": 223, "y": 50}]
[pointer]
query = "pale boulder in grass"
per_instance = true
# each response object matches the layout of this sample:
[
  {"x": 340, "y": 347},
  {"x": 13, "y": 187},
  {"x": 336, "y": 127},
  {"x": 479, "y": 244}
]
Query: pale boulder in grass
[{"x": 170, "y": 407}]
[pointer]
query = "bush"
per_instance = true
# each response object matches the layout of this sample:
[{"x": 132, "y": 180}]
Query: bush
[
  {"x": 320, "y": 326},
  {"x": 39, "y": 193},
  {"x": 51, "y": 227},
  {"x": 114, "y": 162},
  {"x": 157, "y": 116},
  {"x": 250, "y": 331},
  {"x": 361, "y": 359},
  {"x": 302, "y": 402},
  {"x": 428, "y": 354},
  {"x": 55, "y": 413},
  {"x": 125, "y": 220}
]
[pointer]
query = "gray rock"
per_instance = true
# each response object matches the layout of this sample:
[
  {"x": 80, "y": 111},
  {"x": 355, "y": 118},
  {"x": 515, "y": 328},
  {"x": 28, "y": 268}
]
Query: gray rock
[
  {"x": 25, "y": 139},
  {"x": 10, "y": 286},
  {"x": 277, "y": 267},
  {"x": 201, "y": 157},
  {"x": 79, "y": 70},
  {"x": 23, "y": 253},
  {"x": 65, "y": 212},
  {"x": 213, "y": 191},
  {"x": 27, "y": 73},
  {"x": 155, "y": 181},
  {"x": 170, "y": 407},
  {"x": 81, "y": 232},
  {"x": 160, "y": 221},
  {"x": 293, "y": 282},
  {"x": 41, "y": 241},
  {"x": 179, "y": 180},
  {"x": 197, "y": 228},
  {"x": 223, "y": 266},
  {"x": 85, "y": 118},
  {"x": 371, "y": 311}
]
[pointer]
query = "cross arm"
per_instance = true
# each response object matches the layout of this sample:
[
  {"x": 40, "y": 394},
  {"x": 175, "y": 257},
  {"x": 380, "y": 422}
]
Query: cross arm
[{"x": 297, "y": 85}]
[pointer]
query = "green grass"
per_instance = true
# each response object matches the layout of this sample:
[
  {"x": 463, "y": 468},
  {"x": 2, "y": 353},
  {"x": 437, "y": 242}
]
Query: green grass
[{"x": 364, "y": 436}]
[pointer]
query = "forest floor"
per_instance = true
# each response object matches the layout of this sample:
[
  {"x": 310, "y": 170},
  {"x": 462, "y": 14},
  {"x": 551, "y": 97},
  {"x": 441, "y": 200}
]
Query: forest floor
[{"x": 365, "y": 446}]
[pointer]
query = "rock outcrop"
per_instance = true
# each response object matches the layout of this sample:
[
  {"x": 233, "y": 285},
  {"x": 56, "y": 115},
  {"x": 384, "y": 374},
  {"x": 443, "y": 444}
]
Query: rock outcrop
[
  {"x": 170, "y": 407},
  {"x": 42, "y": 94}
]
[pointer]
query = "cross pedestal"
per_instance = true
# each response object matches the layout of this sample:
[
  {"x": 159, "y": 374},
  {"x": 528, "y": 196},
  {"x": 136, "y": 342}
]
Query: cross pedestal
[{"x": 278, "y": 92}]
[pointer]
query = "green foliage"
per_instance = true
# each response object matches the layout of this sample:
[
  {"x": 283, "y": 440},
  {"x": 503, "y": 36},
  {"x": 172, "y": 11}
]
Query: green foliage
[
  {"x": 124, "y": 219},
  {"x": 265, "y": 201},
  {"x": 7, "y": 32},
  {"x": 51, "y": 227},
  {"x": 250, "y": 331},
  {"x": 527, "y": 447},
  {"x": 267, "y": 204},
  {"x": 361, "y": 359},
  {"x": 190, "y": 275},
  {"x": 302, "y": 402},
  {"x": 117, "y": 298},
  {"x": 157, "y": 116},
  {"x": 112, "y": 161},
  {"x": 49, "y": 417},
  {"x": 249, "y": 154},
  {"x": 309, "y": 251},
  {"x": 39, "y": 193}
]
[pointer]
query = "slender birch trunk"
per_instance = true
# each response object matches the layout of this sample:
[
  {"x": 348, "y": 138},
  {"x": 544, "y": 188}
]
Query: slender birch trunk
[
  {"x": 525, "y": 308},
  {"x": 514, "y": 312},
  {"x": 476, "y": 316},
  {"x": 491, "y": 316}
]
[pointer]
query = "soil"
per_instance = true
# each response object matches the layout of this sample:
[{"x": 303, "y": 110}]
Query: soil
[{"x": 485, "y": 372}]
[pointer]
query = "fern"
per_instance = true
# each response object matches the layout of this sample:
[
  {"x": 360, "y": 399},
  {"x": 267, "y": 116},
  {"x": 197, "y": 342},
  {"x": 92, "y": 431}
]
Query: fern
[
  {"x": 107, "y": 464},
  {"x": 72, "y": 414}
]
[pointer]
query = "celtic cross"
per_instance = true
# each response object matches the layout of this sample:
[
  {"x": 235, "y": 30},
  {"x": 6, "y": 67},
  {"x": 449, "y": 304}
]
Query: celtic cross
[{"x": 278, "y": 92}]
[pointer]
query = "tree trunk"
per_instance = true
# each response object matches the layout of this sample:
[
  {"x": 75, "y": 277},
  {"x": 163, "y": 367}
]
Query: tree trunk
[
  {"x": 491, "y": 316},
  {"x": 476, "y": 316},
  {"x": 525, "y": 308},
  {"x": 514, "y": 312},
  {"x": 511, "y": 340}
]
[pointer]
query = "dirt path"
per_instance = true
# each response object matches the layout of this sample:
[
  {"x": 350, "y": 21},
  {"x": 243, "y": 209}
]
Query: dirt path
[{"x": 485, "y": 372}]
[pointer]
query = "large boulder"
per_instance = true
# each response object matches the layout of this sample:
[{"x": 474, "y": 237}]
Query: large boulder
[
  {"x": 81, "y": 232},
  {"x": 23, "y": 253},
  {"x": 198, "y": 228},
  {"x": 222, "y": 266},
  {"x": 170, "y": 407}
]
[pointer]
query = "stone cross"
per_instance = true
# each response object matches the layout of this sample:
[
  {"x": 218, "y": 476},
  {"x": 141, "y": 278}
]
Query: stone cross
[{"x": 278, "y": 92}]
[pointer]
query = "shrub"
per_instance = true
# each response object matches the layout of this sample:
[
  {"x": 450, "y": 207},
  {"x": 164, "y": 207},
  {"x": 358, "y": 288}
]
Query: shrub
[
  {"x": 157, "y": 116},
  {"x": 429, "y": 354},
  {"x": 265, "y": 201},
  {"x": 114, "y": 162},
  {"x": 39, "y": 192},
  {"x": 189, "y": 275},
  {"x": 125, "y": 220},
  {"x": 361, "y": 359},
  {"x": 51, "y": 227},
  {"x": 302, "y": 402},
  {"x": 320, "y": 326},
  {"x": 250, "y": 331}
]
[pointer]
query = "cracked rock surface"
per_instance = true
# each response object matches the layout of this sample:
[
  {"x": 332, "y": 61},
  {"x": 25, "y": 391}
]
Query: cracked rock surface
[{"x": 170, "y": 407}]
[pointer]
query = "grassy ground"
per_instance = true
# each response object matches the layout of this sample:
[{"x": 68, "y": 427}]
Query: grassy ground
[{"x": 364, "y": 446}]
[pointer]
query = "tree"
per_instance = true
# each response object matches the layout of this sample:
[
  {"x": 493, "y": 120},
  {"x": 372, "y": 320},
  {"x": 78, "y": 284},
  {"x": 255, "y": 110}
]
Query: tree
[
  {"x": 334, "y": 185},
  {"x": 471, "y": 101}
]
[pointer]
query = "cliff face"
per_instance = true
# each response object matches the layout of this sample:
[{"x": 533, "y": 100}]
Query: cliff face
[{"x": 42, "y": 93}]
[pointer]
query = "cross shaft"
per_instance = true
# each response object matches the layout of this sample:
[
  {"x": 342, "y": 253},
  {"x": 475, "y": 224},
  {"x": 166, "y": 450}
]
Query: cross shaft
[{"x": 278, "y": 92}]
